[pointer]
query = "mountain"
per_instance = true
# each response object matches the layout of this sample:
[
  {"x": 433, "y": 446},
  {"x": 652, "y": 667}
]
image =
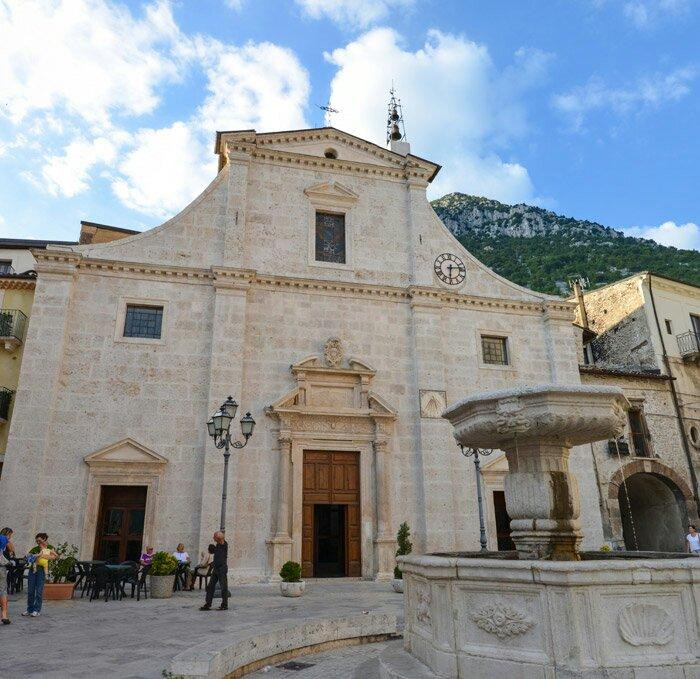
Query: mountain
[{"x": 543, "y": 250}]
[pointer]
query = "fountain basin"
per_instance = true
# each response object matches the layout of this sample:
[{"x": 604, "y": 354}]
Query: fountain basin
[{"x": 526, "y": 619}]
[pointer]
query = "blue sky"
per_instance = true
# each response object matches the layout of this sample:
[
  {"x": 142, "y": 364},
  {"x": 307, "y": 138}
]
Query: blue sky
[{"x": 587, "y": 107}]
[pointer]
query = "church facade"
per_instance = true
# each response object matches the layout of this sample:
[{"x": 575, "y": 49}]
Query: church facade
[{"x": 313, "y": 282}]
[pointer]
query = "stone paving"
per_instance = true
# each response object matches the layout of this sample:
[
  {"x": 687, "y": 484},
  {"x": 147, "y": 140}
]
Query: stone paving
[
  {"x": 133, "y": 639},
  {"x": 353, "y": 662}
]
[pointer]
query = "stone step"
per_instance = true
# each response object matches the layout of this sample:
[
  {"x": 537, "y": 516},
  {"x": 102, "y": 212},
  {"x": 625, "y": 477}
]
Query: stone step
[{"x": 395, "y": 663}]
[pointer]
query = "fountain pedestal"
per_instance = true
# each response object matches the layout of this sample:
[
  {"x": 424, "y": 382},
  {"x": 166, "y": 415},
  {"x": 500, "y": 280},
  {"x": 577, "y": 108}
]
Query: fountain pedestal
[{"x": 544, "y": 613}]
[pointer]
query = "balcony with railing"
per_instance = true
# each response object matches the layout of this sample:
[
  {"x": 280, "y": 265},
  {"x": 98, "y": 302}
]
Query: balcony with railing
[
  {"x": 5, "y": 401},
  {"x": 689, "y": 345},
  {"x": 13, "y": 324}
]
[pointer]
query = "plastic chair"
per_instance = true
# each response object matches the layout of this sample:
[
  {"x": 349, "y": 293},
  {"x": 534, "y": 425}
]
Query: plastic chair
[{"x": 204, "y": 576}]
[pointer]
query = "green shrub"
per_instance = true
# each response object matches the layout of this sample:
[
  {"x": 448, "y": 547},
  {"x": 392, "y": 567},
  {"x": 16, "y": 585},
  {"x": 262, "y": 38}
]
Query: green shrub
[
  {"x": 605, "y": 547},
  {"x": 291, "y": 572},
  {"x": 61, "y": 568},
  {"x": 163, "y": 563},
  {"x": 405, "y": 546}
]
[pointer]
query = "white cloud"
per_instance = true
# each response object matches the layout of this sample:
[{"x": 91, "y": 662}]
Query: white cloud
[
  {"x": 352, "y": 13},
  {"x": 643, "y": 13},
  {"x": 163, "y": 171},
  {"x": 456, "y": 104},
  {"x": 77, "y": 74},
  {"x": 648, "y": 92},
  {"x": 259, "y": 85},
  {"x": 68, "y": 174},
  {"x": 87, "y": 57},
  {"x": 683, "y": 236}
]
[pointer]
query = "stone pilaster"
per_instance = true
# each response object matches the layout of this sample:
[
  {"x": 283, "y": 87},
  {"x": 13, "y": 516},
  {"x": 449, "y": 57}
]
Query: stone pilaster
[
  {"x": 28, "y": 466},
  {"x": 225, "y": 377},
  {"x": 384, "y": 543},
  {"x": 279, "y": 546}
]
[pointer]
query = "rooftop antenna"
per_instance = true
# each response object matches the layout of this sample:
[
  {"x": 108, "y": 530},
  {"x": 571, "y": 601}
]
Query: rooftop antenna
[{"x": 329, "y": 112}]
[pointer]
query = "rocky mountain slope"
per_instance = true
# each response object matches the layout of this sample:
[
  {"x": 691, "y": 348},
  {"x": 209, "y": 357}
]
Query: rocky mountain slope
[{"x": 542, "y": 250}]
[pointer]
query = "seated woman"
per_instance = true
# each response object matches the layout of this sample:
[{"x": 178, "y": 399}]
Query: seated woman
[
  {"x": 147, "y": 557},
  {"x": 181, "y": 555},
  {"x": 202, "y": 567}
]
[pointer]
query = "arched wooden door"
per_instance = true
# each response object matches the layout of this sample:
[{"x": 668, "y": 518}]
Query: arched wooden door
[{"x": 331, "y": 514}]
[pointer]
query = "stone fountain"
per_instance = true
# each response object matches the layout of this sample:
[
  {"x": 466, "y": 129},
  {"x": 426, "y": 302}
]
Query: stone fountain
[{"x": 547, "y": 610}]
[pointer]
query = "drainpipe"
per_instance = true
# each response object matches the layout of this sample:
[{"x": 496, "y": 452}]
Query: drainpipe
[{"x": 674, "y": 397}]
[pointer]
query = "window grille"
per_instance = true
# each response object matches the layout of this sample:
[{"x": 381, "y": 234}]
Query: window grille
[{"x": 143, "y": 321}]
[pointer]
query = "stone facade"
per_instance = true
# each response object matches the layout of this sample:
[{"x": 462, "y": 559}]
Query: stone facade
[
  {"x": 244, "y": 299},
  {"x": 665, "y": 458}
]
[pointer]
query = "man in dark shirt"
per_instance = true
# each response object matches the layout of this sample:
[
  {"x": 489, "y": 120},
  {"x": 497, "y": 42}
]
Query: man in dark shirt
[{"x": 219, "y": 573}]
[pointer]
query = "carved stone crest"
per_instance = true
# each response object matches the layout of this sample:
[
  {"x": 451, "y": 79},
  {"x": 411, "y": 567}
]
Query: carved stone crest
[
  {"x": 502, "y": 620},
  {"x": 333, "y": 352},
  {"x": 645, "y": 625},
  {"x": 510, "y": 416}
]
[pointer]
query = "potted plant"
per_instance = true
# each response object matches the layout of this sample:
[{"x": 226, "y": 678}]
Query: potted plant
[
  {"x": 292, "y": 584},
  {"x": 58, "y": 588},
  {"x": 404, "y": 547},
  {"x": 162, "y": 575}
]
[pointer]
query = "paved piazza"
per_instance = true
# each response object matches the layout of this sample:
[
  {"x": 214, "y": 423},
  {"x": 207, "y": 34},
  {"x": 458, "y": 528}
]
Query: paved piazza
[{"x": 133, "y": 639}]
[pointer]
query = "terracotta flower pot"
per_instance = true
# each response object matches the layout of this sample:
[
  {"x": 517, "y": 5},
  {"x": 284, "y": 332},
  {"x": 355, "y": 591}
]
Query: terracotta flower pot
[
  {"x": 161, "y": 586},
  {"x": 292, "y": 588},
  {"x": 58, "y": 591}
]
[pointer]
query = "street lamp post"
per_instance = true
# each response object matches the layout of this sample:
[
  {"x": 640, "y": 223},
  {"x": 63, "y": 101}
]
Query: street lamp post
[
  {"x": 475, "y": 453},
  {"x": 219, "y": 429}
]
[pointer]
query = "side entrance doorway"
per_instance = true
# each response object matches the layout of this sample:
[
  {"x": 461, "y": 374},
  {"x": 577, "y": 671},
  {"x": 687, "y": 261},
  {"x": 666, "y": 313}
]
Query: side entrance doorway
[
  {"x": 331, "y": 515},
  {"x": 120, "y": 525}
]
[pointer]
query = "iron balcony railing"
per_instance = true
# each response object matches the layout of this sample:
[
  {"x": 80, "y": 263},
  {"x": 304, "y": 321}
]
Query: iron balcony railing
[
  {"x": 5, "y": 401},
  {"x": 689, "y": 344},
  {"x": 13, "y": 323}
]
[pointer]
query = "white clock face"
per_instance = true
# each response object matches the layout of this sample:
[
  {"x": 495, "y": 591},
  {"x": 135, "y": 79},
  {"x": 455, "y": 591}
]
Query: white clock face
[{"x": 450, "y": 269}]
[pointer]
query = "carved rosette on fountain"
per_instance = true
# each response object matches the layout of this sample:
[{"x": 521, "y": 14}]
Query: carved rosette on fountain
[{"x": 536, "y": 427}]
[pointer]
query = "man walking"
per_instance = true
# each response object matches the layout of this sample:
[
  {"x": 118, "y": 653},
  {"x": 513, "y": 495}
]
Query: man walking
[{"x": 219, "y": 573}]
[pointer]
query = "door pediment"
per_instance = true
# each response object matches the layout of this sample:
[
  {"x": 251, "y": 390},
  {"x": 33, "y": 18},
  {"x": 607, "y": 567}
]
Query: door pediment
[{"x": 125, "y": 452}]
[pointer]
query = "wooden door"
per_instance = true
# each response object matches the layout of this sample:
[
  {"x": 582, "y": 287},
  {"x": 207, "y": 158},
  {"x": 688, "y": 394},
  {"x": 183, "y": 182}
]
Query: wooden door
[
  {"x": 331, "y": 479},
  {"x": 120, "y": 526}
]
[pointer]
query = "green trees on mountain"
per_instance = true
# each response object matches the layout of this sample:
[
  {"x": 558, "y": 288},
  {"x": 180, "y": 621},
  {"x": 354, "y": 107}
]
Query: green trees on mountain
[{"x": 537, "y": 248}]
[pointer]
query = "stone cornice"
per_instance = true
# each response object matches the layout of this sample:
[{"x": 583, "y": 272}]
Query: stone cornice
[
  {"x": 242, "y": 279},
  {"x": 678, "y": 287},
  {"x": 242, "y": 145},
  {"x": 56, "y": 261}
]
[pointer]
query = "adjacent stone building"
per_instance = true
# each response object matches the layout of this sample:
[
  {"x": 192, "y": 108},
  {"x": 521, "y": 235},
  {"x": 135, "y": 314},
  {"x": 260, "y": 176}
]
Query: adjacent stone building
[
  {"x": 313, "y": 282},
  {"x": 641, "y": 334}
]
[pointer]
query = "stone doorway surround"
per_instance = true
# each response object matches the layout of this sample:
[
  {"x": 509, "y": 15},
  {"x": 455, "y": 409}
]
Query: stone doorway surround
[
  {"x": 124, "y": 463},
  {"x": 332, "y": 408}
]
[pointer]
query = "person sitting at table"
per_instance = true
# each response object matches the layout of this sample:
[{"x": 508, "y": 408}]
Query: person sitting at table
[
  {"x": 181, "y": 555},
  {"x": 147, "y": 557},
  {"x": 203, "y": 566}
]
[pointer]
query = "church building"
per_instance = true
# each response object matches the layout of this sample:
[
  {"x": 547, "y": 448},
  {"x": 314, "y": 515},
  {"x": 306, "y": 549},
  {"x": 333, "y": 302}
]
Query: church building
[{"x": 312, "y": 281}]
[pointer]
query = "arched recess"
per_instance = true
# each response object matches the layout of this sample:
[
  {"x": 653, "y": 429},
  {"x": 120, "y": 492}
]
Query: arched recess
[
  {"x": 651, "y": 508},
  {"x": 333, "y": 408}
]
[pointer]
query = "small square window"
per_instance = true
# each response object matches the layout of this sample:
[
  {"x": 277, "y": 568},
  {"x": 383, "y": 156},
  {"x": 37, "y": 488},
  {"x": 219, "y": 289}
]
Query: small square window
[
  {"x": 6, "y": 266},
  {"x": 330, "y": 237},
  {"x": 143, "y": 321},
  {"x": 494, "y": 350}
]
